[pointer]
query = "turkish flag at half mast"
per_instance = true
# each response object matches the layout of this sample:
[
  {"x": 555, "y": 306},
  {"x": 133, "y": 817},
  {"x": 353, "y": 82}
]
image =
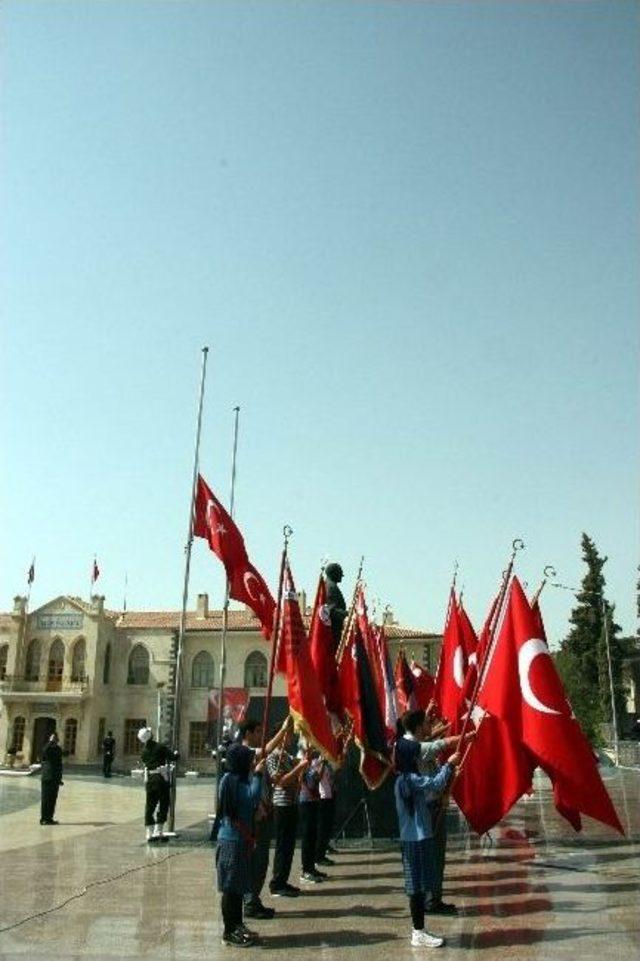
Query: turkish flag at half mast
[{"x": 246, "y": 584}]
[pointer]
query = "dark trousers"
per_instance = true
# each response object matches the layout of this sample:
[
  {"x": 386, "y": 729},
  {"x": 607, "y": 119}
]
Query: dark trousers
[
  {"x": 48, "y": 797},
  {"x": 308, "y": 813},
  {"x": 259, "y": 864},
  {"x": 231, "y": 906},
  {"x": 439, "y": 825},
  {"x": 107, "y": 761},
  {"x": 157, "y": 797},
  {"x": 284, "y": 821},
  {"x": 326, "y": 819}
]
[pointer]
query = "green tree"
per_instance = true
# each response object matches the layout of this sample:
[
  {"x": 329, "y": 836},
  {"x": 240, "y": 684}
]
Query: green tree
[{"x": 583, "y": 661}]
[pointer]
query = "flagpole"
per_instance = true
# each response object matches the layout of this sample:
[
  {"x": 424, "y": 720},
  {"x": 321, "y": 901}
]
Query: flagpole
[
  {"x": 225, "y": 609},
  {"x": 518, "y": 545},
  {"x": 347, "y": 624},
  {"x": 175, "y": 727},
  {"x": 275, "y": 642},
  {"x": 548, "y": 572}
]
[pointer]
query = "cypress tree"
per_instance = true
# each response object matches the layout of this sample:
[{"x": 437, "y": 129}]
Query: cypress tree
[{"x": 583, "y": 660}]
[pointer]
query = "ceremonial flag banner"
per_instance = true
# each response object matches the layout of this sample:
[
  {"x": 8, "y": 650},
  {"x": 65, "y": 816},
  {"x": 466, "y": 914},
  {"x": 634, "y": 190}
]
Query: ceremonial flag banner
[
  {"x": 361, "y": 703},
  {"x": 523, "y": 688},
  {"x": 390, "y": 705},
  {"x": 451, "y": 668},
  {"x": 246, "y": 584},
  {"x": 405, "y": 685},
  {"x": 306, "y": 703},
  {"x": 424, "y": 685},
  {"x": 31, "y": 574},
  {"x": 322, "y": 648},
  {"x": 235, "y": 701},
  {"x": 95, "y": 571}
]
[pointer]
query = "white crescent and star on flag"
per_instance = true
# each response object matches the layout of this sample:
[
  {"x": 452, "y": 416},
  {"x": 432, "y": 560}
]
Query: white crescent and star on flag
[{"x": 527, "y": 654}]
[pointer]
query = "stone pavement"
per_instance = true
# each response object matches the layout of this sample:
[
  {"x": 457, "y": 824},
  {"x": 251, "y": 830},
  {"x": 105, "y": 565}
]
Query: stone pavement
[{"x": 93, "y": 889}]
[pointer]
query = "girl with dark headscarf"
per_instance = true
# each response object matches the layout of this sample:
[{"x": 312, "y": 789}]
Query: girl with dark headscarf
[
  {"x": 238, "y": 799},
  {"x": 413, "y": 791}
]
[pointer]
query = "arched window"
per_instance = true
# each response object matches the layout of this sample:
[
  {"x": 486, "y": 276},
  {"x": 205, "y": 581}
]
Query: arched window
[
  {"x": 32, "y": 664},
  {"x": 18, "y": 734},
  {"x": 79, "y": 660},
  {"x": 4, "y": 654},
  {"x": 70, "y": 735},
  {"x": 56, "y": 662},
  {"x": 255, "y": 670},
  {"x": 106, "y": 670},
  {"x": 202, "y": 670},
  {"x": 138, "y": 665}
]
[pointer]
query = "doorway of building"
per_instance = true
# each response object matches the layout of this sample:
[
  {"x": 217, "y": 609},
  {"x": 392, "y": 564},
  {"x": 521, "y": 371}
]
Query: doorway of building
[{"x": 43, "y": 727}]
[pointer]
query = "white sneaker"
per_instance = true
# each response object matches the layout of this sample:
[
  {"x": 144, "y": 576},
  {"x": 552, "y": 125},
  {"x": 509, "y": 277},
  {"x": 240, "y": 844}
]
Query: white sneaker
[{"x": 422, "y": 939}]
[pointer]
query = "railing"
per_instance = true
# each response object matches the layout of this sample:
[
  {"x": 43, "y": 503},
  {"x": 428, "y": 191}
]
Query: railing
[{"x": 20, "y": 684}]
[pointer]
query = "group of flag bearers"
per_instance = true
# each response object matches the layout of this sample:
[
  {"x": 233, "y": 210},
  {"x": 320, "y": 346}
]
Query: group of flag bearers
[{"x": 498, "y": 695}]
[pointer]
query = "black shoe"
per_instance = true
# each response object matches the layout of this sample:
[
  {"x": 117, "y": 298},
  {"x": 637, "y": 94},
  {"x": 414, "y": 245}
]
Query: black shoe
[
  {"x": 320, "y": 875},
  {"x": 163, "y": 839},
  {"x": 259, "y": 911},
  {"x": 287, "y": 892},
  {"x": 441, "y": 907},
  {"x": 295, "y": 891},
  {"x": 49, "y": 822},
  {"x": 238, "y": 939},
  {"x": 326, "y": 861},
  {"x": 331, "y": 849}
]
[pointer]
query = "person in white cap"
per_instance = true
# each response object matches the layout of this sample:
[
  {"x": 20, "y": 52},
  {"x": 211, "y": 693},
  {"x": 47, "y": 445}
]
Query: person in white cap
[{"x": 156, "y": 759}]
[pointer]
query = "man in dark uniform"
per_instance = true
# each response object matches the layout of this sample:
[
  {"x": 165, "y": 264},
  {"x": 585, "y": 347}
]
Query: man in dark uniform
[
  {"x": 156, "y": 759},
  {"x": 333, "y": 574},
  {"x": 50, "y": 779},
  {"x": 108, "y": 753}
]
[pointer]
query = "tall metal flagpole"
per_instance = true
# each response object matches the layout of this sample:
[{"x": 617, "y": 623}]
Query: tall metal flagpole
[
  {"x": 225, "y": 611},
  {"x": 175, "y": 727}
]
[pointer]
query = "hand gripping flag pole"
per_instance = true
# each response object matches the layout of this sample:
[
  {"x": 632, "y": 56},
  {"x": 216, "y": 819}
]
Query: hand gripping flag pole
[
  {"x": 275, "y": 640},
  {"x": 225, "y": 613},
  {"x": 175, "y": 727}
]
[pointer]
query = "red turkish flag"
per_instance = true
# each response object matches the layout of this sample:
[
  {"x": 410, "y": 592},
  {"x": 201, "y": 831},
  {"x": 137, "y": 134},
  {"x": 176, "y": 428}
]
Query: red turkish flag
[
  {"x": 424, "y": 685},
  {"x": 522, "y": 687},
  {"x": 323, "y": 651},
  {"x": 405, "y": 685},
  {"x": 306, "y": 702},
  {"x": 452, "y": 667},
  {"x": 246, "y": 584}
]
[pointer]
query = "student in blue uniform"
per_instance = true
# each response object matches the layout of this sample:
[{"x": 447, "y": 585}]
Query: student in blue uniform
[
  {"x": 239, "y": 797},
  {"x": 413, "y": 792}
]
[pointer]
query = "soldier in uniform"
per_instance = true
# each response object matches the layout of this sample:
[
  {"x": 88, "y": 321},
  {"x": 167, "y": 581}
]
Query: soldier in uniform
[
  {"x": 156, "y": 759},
  {"x": 50, "y": 779},
  {"x": 333, "y": 574},
  {"x": 108, "y": 753}
]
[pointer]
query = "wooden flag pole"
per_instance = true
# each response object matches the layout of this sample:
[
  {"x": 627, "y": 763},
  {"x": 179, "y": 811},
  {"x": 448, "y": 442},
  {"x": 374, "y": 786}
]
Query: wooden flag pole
[
  {"x": 175, "y": 727},
  {"x": 346, "y": 628},
  {"x": 225, "y": 610},
  {"x": 548, "y": 572},
  {"x": 518, "y": 545},
  {"x": 275, "y": 641}
]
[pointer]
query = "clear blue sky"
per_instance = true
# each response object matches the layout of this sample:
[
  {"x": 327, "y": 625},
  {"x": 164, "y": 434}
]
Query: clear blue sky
[{"x": 409, "y": 233}]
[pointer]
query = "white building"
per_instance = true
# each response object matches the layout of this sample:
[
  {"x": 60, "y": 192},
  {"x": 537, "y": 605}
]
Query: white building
[{"x": 85, "y": 670}]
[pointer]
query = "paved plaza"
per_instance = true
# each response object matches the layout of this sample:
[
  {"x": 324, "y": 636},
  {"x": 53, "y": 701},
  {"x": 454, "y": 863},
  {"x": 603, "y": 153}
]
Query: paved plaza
[{"x": 90, "y": 887}]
